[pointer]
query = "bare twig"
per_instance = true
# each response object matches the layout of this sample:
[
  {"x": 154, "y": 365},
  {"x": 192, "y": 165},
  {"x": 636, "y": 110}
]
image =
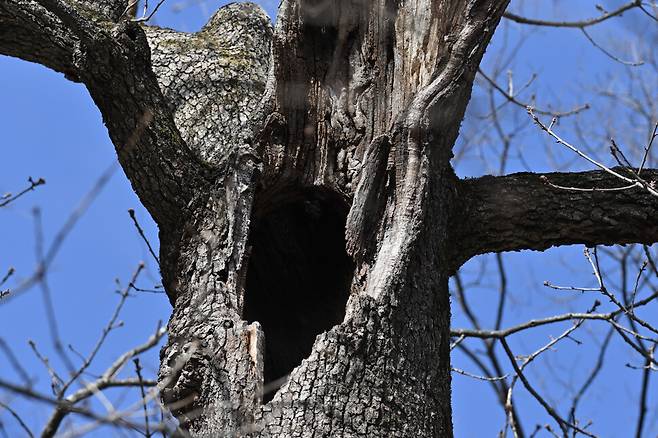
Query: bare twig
[
  {"x": 63, "y": 232},
  {"x": 571, "y": 288},
  {"x": 55, "y": 380},
  {"x": 647, "y": 149},
  {"x": 633, "y": 182},
  {"x": 649, "y": 14},
  {"x": 18, "y": 418},
  {"x": 592, "y": 375},
  {"x": 622, "y": 308},
  {"x": 59, "y": 404},
  {"x": 607, "y": 53},
  {"x": 145, "y": 17},
  {"x": 138, "y": 371},
  {"x": 591, "y": 189},
  {"x": 513, "y": 99},
  {"x": 475, "y": 376},
  {"x": 644, "y": 393},
  {"x": 15, "y": 363},
  {"x": 502, "y": 290},
  {"x": 158, "y": 289},
  {"x": 9, "y": 198},
  {"x": 107, "y": 380},
  {"x": 46, "y": 294},
  {"x": 564, "y": 425},
  {"x": 111, "y": 325},
  {"x": 501, "y": 334},
  {"x": 500, "y": 387},
  {"x": 131, "y": 213},
  {"x": 8, "y": 275}
]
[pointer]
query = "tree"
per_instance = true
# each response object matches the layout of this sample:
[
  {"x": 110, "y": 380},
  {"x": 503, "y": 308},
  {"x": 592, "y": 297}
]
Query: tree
[{"x": 313, "y": 192}]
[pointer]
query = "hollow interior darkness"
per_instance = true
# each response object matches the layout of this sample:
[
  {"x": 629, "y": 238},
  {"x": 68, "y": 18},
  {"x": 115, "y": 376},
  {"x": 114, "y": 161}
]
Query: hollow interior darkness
[{"x": 298, "y": 277}]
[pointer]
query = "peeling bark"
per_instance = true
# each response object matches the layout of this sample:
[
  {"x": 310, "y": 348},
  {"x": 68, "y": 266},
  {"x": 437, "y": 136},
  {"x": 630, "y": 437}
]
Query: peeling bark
[{"x": 318, "y": 149}]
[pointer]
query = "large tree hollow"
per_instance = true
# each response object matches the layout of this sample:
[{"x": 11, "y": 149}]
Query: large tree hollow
[{"x": 298, "y": 278}]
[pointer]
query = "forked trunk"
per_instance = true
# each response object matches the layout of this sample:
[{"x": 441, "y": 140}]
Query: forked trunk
[
  {"x": 309, "y": 216},
  {"x": 322, "y": 252}
]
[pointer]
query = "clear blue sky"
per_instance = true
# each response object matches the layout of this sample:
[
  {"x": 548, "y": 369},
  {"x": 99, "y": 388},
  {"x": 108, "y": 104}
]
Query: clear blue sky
[{"x": 51, "y": 129}]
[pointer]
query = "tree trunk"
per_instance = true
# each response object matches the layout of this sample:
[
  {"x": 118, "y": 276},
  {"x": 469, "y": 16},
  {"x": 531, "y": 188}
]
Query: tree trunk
[
  {"x": 309, "y": 215},
  {"x": 361, "y": 109}
]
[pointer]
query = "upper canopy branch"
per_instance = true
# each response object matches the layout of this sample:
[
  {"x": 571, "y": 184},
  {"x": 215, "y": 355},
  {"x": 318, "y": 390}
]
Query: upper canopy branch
[
  {"x": 113, "y": 61},
  {"x": 533, "y": 211},
  {"x": 577, "y": 24},
  {"x": 28, "y": 31}
]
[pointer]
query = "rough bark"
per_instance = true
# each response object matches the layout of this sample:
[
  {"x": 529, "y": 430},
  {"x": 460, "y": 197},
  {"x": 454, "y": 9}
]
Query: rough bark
[
  {"x": 302, "y": 184},
  {"x": 531, "y": 211}
]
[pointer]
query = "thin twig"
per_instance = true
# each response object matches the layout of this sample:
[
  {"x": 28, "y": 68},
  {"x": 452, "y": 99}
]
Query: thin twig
[
  {"x": 647, "y": 149},
  {"x": 9, "y": 273},
  {"x": 475, "y": 376},
  {"x": 18, "y": 419},
  {"x": 151, "y": 291},
  {"x": 633, "y": 181},
  {"x": 591, "y": 189},
  {"x": 564, "y": 425},
  {"x": 513, "y": 99},
  {"x": 502, "y": 291},
  {"x": 9, "y": 198},
  {"x": 637, "y": 282},
  {"x": 106, "y": 331},
  {"x": 107, "y": 380},
  {"x": 571, "y": 288},
  {"x": 642, "y": 408},
  {"x": 607, "y": 53},
  {"x": 622, "y": 308},
  {"x": 649, "y": 14},
  {"x": 64, "y": 231},
  {"x": 138, "y": 371},
  {"x": 46, "y": 294},
  {"x": 131, "y": 213},
  {"x": 55, "y": 380},
  {"x": 15, "y": 363},
  {"x": 592, "y": 375},
  {"x": 147, "y": 18},
  {"x": 34, "y": 395}
]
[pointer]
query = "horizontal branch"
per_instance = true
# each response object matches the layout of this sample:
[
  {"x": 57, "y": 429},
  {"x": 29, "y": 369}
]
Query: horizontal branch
[
  {"x": 578, "y": 24},
  {"x": 533, "y": 211}
]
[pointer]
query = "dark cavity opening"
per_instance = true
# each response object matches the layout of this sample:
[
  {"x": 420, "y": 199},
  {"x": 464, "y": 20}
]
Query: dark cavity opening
[{"x": 298, "y": 278}]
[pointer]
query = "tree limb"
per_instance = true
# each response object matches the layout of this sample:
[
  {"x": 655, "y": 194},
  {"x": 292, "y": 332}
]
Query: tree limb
[
  {"x": 114, "y": 62},
  {"x": 29, "y": 32},
  {"x": 580, "y": 23},
  {"x": 533, "y": 211}
]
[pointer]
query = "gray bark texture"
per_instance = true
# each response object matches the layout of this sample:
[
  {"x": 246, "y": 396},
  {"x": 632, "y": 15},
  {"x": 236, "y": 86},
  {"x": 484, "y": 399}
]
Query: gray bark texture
[{"x": 309, "y": 215}]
